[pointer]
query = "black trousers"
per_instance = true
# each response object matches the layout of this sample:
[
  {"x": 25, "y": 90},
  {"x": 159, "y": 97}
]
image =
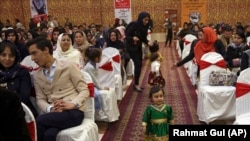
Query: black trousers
[
  {"x": 49, "y": 124},
  {"x": 136, "y": 56},
  {"x": 169, "y": 39}
]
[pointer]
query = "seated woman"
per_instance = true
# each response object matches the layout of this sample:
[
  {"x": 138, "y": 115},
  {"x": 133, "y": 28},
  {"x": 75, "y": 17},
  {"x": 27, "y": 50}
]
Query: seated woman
[
  {"x": 114, "y": 41},
  {"x": 208, "y": 42},
  {"x": 81, "y": 43},
  {"x": 236, "y": 49},
  {"x": 65, "y": 50},
  {"x": 13, "y": 76},
  {"x": 90, "y": 38},
  {"x": 245, "y": 61},
  {"x": 12, "y": 36}
]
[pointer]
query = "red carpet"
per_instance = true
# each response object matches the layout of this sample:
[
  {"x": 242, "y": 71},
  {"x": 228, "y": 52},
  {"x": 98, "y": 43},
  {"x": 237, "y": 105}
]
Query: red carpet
[{"x": 180, "y": 94}]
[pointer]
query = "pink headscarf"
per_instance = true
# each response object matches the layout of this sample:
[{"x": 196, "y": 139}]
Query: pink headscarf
[{"x": 122, "y": 31}]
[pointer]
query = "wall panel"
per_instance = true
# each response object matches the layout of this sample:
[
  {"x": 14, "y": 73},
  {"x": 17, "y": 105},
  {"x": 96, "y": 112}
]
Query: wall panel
[{"x": 102, "y": 11}]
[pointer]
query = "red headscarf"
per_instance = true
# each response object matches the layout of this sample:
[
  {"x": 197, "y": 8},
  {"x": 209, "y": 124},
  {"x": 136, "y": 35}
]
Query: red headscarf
[{"x": 208, "y": 46}]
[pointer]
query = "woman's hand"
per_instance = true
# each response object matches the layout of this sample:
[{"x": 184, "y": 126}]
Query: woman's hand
[{"x": 174, "y": 66}]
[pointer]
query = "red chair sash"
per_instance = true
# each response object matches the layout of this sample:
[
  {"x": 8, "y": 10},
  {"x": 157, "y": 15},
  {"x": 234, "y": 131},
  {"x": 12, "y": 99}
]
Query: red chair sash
[
  {"x": 117, "y": 58},
  {"x": 205, "y": 64},
  {"x": 30, "y": 69},
  {"x": 242, "y": 89},
  {"x": 91, "y": 89},
  {"x": 186, "y": 42},
  {"x": 32, "y": 130},
  {"x": 108, "y": 66}
]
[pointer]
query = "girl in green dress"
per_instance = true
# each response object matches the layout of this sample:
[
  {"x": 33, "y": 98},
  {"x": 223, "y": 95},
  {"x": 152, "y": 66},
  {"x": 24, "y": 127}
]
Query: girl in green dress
[{"x": 157, "y": 117}]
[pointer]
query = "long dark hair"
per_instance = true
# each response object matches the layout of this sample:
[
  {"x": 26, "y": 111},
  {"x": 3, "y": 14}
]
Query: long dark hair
[
  {"x": 140, "y": 27},
  {"x": 11, "y": 31},
  {"x": 13, "y": 50}
]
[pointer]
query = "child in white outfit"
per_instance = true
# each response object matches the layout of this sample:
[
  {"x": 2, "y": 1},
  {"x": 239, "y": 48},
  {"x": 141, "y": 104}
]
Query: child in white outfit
[{"x": 155, "y": 76}]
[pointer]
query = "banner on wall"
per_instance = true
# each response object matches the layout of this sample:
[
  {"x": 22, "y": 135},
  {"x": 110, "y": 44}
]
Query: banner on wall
[
  {"x": 193, "y": 11},
  {"x": 123, "y": 10},
  {"x": 38, "y": 10}
]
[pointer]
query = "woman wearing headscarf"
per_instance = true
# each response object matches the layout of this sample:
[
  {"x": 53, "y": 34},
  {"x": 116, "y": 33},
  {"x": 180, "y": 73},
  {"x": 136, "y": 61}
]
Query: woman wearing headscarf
[
  {"x": 65, "y": 50},
  {"x": 136, "y": 35},
  {"x": 207, "y": 43},
  {"x": 81, "y": 44}
]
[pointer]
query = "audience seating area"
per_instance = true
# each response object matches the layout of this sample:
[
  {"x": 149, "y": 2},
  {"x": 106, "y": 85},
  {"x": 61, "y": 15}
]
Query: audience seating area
[{"x": 218, "y": 104}]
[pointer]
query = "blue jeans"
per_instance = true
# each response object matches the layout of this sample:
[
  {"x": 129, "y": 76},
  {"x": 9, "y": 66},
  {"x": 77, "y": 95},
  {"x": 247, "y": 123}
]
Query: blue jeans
[{"x": 98, "y": 100}]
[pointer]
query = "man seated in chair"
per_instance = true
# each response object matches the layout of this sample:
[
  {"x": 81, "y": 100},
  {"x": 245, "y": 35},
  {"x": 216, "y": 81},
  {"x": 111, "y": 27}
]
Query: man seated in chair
[{"x": 61, "y": 91}]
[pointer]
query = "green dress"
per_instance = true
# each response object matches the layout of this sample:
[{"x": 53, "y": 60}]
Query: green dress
[{"x": 157, "y": 119}]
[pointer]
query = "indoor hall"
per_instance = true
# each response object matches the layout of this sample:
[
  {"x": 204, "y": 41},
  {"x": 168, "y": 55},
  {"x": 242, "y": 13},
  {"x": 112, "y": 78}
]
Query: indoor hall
[{"x": 180, "y": 90}]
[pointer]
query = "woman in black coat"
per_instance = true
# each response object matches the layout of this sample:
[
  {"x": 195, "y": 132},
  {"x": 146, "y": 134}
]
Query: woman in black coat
[
  {"x": 136, "y": 35},
  {"x": 245, "y": 61},
  {"x": 13, "y": 76}
]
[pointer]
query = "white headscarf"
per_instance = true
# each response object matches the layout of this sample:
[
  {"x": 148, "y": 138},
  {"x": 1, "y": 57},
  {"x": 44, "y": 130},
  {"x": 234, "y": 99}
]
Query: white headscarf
[{"x": 71, "y": 54}]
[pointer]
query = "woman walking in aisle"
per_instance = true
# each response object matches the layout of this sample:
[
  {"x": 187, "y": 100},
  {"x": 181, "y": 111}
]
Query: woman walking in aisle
[{"x": 136, "y": 34}]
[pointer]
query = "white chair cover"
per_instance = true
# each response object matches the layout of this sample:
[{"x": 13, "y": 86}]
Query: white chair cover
[
  {"x": 248, "y": 40},
  {"x": 188, "y": 39},
  {"x": 30, "y": 65},
  {"x": 178, "y": 48},
  {"x": 192, "y": 71},
  {"x": 214, "y": 102},
  {"x": 124, "y": 81},
  {"x": 106, "y": 77},
  {"x": 145, "y": 51},
  {"x": 110, "y": 107},
  {"x": 130, "y": 68},
  {"x": 106, "y": 72},
  {"x": 116, "y": 62},
  {"x": 87, "y": 130},
  {"x": 243, "y": 98},
  {"x": 31, "y": 122},
  {"x": 89, "y": 113}
]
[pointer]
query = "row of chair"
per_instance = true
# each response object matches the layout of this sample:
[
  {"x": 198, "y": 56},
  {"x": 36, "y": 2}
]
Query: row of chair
[
  {"x": 86, "y": 131},
  {"x": 109, "y": 70},
  {"x": 223, "y": 102},
  {"x": 217, "y": 102}
]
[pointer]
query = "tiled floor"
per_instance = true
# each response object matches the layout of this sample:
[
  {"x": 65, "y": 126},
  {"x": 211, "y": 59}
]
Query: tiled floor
[{"x": 102, "y": 126}]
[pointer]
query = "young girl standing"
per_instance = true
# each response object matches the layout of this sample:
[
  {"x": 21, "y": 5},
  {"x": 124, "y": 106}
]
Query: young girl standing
[
  {"x": 157, "y": 117},
  {"x": 155, "y": 76}
]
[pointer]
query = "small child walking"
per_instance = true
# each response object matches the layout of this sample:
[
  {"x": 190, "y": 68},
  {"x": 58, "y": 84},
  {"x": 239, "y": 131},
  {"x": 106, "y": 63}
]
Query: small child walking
[
  {"x": 155, "y": 76},
  {"x": 157, "y": 117}
]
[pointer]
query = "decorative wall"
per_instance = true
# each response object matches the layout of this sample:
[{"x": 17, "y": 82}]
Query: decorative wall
[
  {"x": 228, "y": 11},
  {"x": 102, "y": 11}
]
